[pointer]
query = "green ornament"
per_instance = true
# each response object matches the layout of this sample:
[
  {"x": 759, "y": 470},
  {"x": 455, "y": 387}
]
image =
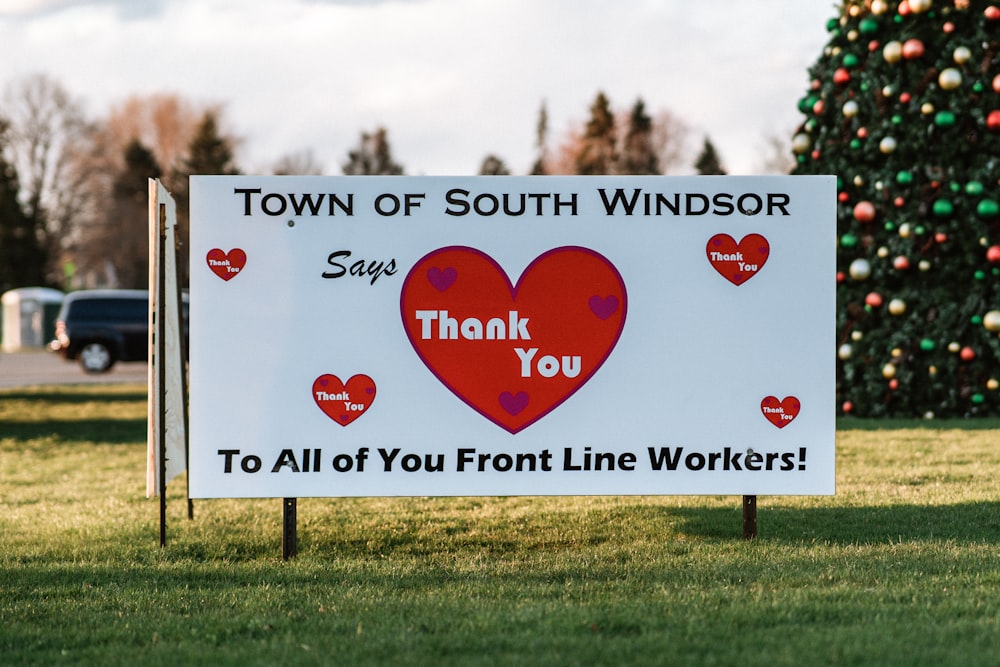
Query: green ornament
[
  {"x": 943, "y": 208},
  {"x": 848, "y": 240},
  {"x": 855, "y": 144},
  {"x": 889, "y": 226},
  {"x": 850, "y": 60},
  {"x": 976, "y": 319},
  {"x": 978, "y": 398},
  {"x": 919, "y": 230},
  {"x": 904, "y": 177},
  {"x": 995, "y": 271},
  {"x": 832, "y": 24},
  {"x": 988, "y": 208},
  {"x": 927, "y": 345},
  {"x": 977, "y": 87},
  {"x": 979, "y": 275},
  {"x": 897, "y": 119},
  {"x": 868, "y": 25},
  {"x": 974, "y": 188},
  {"x": 944, "y": 119}
]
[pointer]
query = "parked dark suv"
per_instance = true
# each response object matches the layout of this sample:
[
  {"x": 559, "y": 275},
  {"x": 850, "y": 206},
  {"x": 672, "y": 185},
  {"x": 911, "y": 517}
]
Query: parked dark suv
[{"x": 101, "y": 327}]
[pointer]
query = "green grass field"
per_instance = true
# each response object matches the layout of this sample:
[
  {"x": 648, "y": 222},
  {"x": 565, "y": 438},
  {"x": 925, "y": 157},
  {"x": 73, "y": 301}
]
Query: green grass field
[{"x": 901, "y": 567}]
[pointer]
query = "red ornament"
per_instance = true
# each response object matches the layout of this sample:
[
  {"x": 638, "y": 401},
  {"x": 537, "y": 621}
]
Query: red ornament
[
  {"x": 862, "y": 133},
  {"x": 996, "y": 84},
  {"x": 940, "y": 237},
  {"x": 967, "y": 354},
  {"x": 993, "y": 120},
  {"x": 899, "y": 202},
  {"x": 913, "y": 48},
  {"x": 874, "y": 299},
  {"x": 993, "y": 254},
  {"x": 948, "y": 27},
  {"x": 904, "y": 98},
  {"x": 841, "y": 276},
  {"x": 904, "y": 8},
  {"x": 992, "y": 13},
  {"x": 843, "y": 197},
  {"x": 819, "y": 107},
  {"x": 894, "y": 384},
  {"x": 841, "y": 76},
  {"x": 864, "y": 211},
  {"x": 873, "y": 45},
  {"x": 901, "y": 263},
  {"x": 847, "y": 406},
  {"x": 815, "y": 155}
]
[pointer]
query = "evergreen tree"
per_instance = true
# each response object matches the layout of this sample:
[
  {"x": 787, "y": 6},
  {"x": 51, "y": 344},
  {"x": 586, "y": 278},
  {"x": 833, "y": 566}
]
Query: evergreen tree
[
  {"x": 708, "y": 162},
  {"x": 22, "y": 257},
  {"x": 493, "y": 166},
  {"x": 209, "y": 154},
  {"x": 541, "y": 142},
  {"x": 638, "y": 154},
  {"x": 597, "y": 154},
  {"x": 903, "y": 109},
  {"x": 372, "y": 157},
  {"x": 123, "y": 241}
]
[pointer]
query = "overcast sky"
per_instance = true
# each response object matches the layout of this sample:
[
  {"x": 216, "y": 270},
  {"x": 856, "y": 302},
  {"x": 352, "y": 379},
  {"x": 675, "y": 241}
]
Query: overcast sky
[{"x": 451, "y": 80}]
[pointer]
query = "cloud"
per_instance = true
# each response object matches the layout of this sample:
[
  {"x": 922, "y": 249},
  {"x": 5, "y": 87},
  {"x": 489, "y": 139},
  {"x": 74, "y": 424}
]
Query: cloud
[{"x": 126, "y": 9}]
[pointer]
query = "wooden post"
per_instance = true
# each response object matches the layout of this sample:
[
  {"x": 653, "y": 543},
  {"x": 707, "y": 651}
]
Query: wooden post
[
  {"x": 161, "y": 385},
  {"x": 289, "y": 538},
  {"x": 749, "y": 517}
]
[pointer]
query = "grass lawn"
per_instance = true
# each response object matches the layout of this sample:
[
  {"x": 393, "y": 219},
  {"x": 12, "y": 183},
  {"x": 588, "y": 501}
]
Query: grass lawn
[{"x": 901, "y": 567}]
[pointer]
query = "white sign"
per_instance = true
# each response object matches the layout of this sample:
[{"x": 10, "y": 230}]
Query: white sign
[{"x": 395, "y": 336}]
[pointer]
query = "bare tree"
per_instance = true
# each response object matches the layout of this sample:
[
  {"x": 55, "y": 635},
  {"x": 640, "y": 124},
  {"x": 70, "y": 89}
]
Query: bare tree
[
  {"x": 47, "y": 132},
  {"x": 776, "y": 155},
  {"x": 671, "y": 137},
  {"x": 165, "y": 123},
  {"x": 302, "y": 163}
]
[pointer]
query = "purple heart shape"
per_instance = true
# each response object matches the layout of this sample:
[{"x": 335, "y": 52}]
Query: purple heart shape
[
  {"x": 441, "y": 279},
  {"x": 603, "y": 308},
  {"x": 514, "y": 403}
]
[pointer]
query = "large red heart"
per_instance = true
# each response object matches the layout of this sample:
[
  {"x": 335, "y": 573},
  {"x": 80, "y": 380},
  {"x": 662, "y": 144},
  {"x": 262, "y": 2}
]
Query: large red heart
[
  {"x": 511, "y": 352},
  {"x": 737, "y": 263},
  {"x": 780, "y": 413},
  {"x": 343, "y": 403},
  {"x": 226, "y": 265}
]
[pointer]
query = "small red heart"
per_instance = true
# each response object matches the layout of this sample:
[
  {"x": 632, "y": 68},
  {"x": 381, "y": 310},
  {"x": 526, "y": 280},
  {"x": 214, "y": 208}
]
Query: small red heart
[
  {"x": 226, "y": 265},
  {"x": 780, "y": 413},
  {"x": 740, "y": 262},
  {"x": 343, "y": 403}
]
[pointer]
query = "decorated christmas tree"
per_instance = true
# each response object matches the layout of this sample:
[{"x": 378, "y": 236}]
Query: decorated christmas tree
[{"x": 903, "y": 108}]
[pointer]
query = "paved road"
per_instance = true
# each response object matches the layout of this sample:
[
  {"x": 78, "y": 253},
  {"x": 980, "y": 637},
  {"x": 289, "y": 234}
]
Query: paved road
[{"x": 41, "y": 367}]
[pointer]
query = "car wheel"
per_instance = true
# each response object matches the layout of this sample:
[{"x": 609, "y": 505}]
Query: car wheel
[{"x": 96, "y": 358}]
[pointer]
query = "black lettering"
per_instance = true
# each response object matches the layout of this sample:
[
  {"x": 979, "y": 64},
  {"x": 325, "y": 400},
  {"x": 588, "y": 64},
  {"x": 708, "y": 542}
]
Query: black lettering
[
  {"x": 341, "y": 269},
  {"x": 664, "y": 457},
  {"x": 452, "y": 198}
]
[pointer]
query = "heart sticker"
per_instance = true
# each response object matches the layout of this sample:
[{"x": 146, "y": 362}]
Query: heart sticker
[
  {"x": 343, "y": 403},
  {"x": 226, "y": 265},
  {"x": 513, "y": 353},
  {"x": 737, "y": 263},
  {"x": 780, "y": 413}
]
